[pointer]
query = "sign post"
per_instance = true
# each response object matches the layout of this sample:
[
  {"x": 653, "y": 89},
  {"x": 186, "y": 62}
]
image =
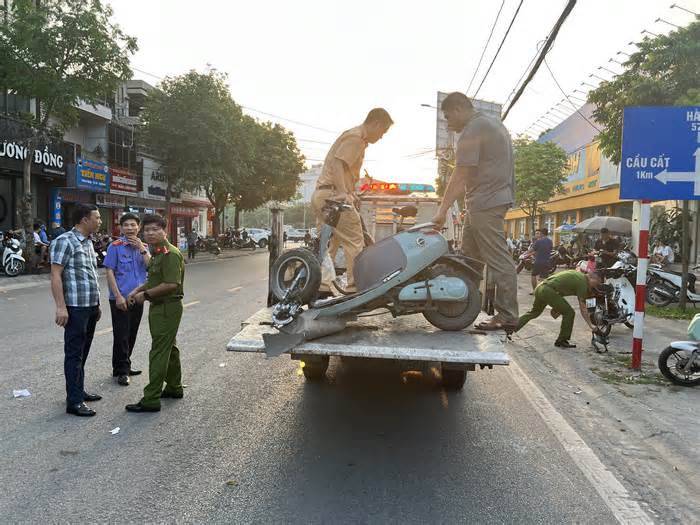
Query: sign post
[{"x": 660, "y": 161}]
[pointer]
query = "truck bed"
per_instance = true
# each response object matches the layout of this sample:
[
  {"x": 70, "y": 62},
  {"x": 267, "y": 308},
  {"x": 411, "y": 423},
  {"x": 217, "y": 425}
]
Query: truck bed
[{"x": 409, "y": 338}]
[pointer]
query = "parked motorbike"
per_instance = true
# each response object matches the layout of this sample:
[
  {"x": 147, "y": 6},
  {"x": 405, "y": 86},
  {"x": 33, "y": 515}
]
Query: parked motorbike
[
  {"x": 212, "y": 246},
  {"x": 680, "y": 361},
  {"x": 407, "y": 273},
  {"x": 100, "y": 244},
  {"x": 240, "y": 243},
  {"x": 664, "y": 286},
  {"x": 614, "y": 300},
  {"x": 13, "y": 262}
]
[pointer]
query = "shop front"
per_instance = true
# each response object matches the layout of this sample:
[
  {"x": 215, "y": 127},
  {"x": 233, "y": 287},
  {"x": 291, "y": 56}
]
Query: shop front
[
  {"x": 48, "y": 171},
  {"x": 182, "y": 219},
  {"x": 86, "y": 180}
]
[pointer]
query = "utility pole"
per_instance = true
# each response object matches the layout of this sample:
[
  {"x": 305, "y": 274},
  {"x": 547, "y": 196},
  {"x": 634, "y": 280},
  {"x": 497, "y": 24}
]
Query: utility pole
[{"x": 684, "y": 257}]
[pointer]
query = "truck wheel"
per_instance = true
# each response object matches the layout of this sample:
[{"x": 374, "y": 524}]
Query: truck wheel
[
  {"x": 453, "y": 379},
  {"x": 315, "y": 369},
  {"x": 301, "y": 263},
  {"x": 456, "y": 315}
]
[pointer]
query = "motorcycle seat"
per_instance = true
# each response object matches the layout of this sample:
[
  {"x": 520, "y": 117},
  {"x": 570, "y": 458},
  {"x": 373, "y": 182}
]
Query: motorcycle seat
[{"x": 406, "y": 211}]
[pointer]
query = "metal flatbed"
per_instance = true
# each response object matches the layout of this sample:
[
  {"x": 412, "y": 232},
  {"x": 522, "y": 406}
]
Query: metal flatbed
[{"x": 409, "y": 338}]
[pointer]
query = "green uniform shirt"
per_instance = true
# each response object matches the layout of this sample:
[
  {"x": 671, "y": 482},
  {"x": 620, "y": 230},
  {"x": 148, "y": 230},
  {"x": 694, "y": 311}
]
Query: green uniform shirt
[
  {"x": 166, "y": 266},
  {"x": 569, "y": 282}
]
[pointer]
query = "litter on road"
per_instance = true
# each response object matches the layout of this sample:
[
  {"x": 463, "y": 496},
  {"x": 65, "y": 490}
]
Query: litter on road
[
  {"x": 115, "y": 430},
  {"x": 21, "y": 393}
]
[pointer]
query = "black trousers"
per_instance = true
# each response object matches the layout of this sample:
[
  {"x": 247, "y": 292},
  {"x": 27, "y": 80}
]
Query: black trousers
[
  {"x": 125, "y": 328},
  {"x": 77, "y": 339},
  {"x": 191, "y": 251}
]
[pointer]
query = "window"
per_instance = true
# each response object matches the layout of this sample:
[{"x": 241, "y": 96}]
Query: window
[
  {"x": 121, "y": 152},
  {"x": 13, "y": 104}
]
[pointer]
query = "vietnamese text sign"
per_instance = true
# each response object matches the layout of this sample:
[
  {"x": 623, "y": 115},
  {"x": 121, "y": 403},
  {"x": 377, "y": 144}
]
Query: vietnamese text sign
[
  {"x": 661, "y": 153},
  {"x": 123, "y": 182},
  {"x": 91, "y": 175}
]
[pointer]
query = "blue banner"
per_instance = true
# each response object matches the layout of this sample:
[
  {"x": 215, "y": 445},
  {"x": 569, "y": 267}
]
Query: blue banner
[
  {"x": 91, "y": 175},
  {"x": 55, "y": 212}
]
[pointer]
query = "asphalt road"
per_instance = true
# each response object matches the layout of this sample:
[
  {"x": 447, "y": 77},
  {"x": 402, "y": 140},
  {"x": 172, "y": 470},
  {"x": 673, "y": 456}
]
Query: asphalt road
[{"x": 252, "y": 442}]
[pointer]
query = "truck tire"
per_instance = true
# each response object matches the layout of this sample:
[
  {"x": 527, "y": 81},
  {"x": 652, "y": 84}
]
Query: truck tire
[
  {"x": 286, "y": 268},
  {"x": 453, "y": 378},
  {"x": 454, "y": 316},
  {"x": 315, "y": 369}
]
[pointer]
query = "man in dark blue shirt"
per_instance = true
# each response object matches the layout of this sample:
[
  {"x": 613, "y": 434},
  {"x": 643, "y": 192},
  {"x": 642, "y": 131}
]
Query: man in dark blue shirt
[{"x": 542, "y": 248}]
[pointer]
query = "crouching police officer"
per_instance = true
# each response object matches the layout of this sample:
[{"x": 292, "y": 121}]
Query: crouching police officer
[{"x": 166, "y": 273}]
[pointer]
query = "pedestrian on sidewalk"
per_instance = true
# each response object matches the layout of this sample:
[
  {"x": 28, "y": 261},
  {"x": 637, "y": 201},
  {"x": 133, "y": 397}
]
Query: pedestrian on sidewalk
[
  {"x": 192, "y": 244},
  {"x": 485, "y": 175},
  {"x": 76, "y": 292},
  {"x": 553, "y": 290},
  {"x": 164, "y": 289},
  {"x": 542, "y": 249},
  {"x": 126, "y": 263}
]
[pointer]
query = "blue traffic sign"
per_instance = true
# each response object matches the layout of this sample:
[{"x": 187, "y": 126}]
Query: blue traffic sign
[{"x": 661, "y": 153}]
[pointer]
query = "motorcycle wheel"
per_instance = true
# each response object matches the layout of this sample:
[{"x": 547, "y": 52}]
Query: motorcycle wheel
[
  {"x": 14, "y": 267},
  {"x": 288, "y": 266},
  {"x": 459, "y": 315},
  {"x": 671, "y": 361},
  {"x": 655, "y": 299},
  {"x": 263, "y": 243}
]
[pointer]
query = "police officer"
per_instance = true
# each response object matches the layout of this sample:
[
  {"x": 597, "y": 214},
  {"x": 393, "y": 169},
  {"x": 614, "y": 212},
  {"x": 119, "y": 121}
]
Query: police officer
[{"x": 164, "y": 290}]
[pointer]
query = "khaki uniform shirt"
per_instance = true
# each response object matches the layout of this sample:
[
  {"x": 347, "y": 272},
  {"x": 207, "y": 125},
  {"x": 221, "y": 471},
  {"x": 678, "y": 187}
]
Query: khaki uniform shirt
[
  {"x": 350, "y": 148},
  {"x": 166, "y": 266}
]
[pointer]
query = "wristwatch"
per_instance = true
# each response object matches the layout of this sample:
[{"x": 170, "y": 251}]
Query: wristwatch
[
  {"x": 146, "y": 295},
  {"x": 143, "y": 252}
]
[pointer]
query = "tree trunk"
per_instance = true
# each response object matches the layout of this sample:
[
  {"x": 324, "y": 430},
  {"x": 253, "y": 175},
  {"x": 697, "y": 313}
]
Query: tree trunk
[
  {"x": 684, "y": 257},
  {"x": 237, "y": 218},
  {"x": 216, "y": 223},
  {"x": 27, "y": 223}
]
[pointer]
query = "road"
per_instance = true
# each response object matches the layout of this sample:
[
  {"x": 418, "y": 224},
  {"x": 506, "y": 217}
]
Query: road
[{"x": 252, "y": 442}]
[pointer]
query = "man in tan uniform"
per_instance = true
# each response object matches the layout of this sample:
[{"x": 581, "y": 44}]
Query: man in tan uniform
[
  {"x": 341, "y": 172},
  {"x": 485, "y": 174}
]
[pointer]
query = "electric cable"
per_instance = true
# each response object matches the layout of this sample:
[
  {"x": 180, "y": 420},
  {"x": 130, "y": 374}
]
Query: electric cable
[
  {"x": 567, "y": 98},
  {"x": 483, "y": 51}
]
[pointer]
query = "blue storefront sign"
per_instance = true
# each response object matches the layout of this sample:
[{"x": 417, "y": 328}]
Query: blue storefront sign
[
  {"x": 56, "y": 201},
  {"x": 661, "y": 153},
  {"x": 91, "y": 175}
]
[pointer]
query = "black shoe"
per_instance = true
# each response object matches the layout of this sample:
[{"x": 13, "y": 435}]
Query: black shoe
[
  {"x": 165, "y": 394},
  {"x": 123, "y": 380},
  {"x": 564, "y": 344},
  {"x": 138, "y": 407},
  {"x": 91, "y": 397},
  {"x": 134, "y": 372},
  {"x": 81, "y": 410}
]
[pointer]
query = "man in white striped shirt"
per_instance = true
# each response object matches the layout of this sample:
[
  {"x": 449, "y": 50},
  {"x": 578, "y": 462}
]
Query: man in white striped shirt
[{"x": 76, "y": 291}]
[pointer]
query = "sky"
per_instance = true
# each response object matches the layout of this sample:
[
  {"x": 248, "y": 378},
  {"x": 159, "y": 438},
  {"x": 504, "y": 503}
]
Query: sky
[{"x": 325, "y": 64}]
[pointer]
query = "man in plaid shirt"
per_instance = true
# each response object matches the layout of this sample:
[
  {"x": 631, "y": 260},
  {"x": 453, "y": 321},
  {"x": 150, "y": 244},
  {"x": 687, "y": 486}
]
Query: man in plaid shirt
[{"x": 77, "y": 295}]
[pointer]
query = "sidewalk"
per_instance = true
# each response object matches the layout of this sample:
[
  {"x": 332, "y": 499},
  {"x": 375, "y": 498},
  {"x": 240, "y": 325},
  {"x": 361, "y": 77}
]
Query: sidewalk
[
  {"x": 29, "y": 281},
  {"x": 640, "y": 421}
]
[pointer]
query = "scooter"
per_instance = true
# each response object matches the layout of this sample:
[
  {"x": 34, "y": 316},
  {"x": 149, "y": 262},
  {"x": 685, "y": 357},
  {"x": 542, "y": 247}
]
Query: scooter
[
  {"x": 410, "y": 272},
  {"x": 664, "y": 286},
  {"x": 680, "y": 361},
  {"x": 13, "y": 263},
  {"x": 614, "y": 302}
]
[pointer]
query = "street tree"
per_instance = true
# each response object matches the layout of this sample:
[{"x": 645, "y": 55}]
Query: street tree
[
  {"x": 276, "y": 166},
  {"x": 664, "y": 71},
  {"x": 540, "y": 171},
  {"x": 61, "y": 53},
  {"x": 194, "y": 123}
]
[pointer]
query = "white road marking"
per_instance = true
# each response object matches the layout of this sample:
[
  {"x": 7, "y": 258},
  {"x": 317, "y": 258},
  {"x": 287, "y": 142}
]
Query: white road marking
[
  {"x": 623, "y": 507},
  {"x": 103, "y": 332},
  {"x": 191, "y": 304},
  {"x": 235, "y": 289}
]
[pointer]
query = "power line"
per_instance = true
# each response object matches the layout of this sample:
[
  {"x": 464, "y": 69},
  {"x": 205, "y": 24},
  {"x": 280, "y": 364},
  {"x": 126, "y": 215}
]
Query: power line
[
  {"x": 483, "y": 51},
  {"x": 290, "y": 120},
  {"x": 499, "y": 47},
  {"x": 545, "y": 48},
  {"x": 525, "y": 71},
  {"x": 567, "y": 98}
]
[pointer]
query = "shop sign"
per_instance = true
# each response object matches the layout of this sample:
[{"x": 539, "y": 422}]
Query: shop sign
[
  {"x": 155, "y": 184},
  {"x": 123, "y": 182},
  {"x": 55, "y": 213},
  {"x": 184, "y": 211},
  {"x": 91, "y": 175},
  {"x": 42, "y": 157},
  {"x": 106, "y": 200}
]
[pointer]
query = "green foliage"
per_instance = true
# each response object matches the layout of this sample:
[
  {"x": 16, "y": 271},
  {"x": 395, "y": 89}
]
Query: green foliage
[
  {"x": 667, "y": 226},
  {"x": 539, "y": 174},
  {"x": 663, "y": 72},
  {"x": 671, "y": 312},
  {"x": 63, "y": 52},
  {"x": 208, "y": 143}
]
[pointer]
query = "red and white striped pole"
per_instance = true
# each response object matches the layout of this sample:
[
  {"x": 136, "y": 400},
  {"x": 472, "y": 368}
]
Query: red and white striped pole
[{"x": 641, "y": 288}]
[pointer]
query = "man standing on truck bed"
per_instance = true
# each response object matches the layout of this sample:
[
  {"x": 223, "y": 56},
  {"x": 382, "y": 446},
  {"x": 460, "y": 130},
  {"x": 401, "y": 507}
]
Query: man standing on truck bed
[
  {"x": 341, "y": 172},
  {"x": 485, "y": 173}
]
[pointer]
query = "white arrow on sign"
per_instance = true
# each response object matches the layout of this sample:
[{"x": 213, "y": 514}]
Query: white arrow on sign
[{"x": 683, "y": 176}]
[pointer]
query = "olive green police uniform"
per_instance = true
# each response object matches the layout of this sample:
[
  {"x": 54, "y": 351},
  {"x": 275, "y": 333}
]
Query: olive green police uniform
[{"x": 166, "y": 266}]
